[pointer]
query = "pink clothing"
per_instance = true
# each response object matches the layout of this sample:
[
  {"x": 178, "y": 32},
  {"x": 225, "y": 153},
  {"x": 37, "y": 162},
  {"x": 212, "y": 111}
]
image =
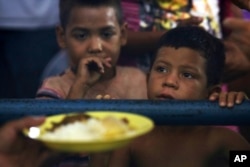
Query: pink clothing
[
  {"x": 224, "y": 87},
  {"x": 233, "y": 128},
  {"x": 131, "y": 14}
]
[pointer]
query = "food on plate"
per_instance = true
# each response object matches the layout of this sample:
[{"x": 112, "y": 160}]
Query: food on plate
[
  {"x": 83, "y": 127},
  {"x": 91, "y": 131}
]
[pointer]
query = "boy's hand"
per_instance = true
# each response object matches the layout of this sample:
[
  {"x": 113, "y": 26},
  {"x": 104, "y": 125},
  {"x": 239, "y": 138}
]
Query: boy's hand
[
  {"x": 91, "y": 68},
  {"x": 89, "y": 71},
  {"x": 106, "y": 97},
  {"x": 228, "y": 99}
]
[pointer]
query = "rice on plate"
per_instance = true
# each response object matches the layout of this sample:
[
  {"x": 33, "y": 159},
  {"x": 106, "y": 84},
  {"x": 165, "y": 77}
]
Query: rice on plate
[{"x": 87, "y": 128}]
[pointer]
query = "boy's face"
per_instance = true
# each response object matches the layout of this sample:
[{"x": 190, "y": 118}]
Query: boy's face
[
  {"x": 92, "y": 31},
  {"x": 178, "y": 74}
]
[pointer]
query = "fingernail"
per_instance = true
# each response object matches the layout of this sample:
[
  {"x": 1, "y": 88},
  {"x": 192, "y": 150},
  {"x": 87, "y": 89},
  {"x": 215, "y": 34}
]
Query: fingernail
[
  {"x": 238, "y": 101},
  {"x": 222, "y": 104},
  {"x": 230, "y": 105},
  {"x": 98, "y": 96},
  {"x": 107, "y": 97}
]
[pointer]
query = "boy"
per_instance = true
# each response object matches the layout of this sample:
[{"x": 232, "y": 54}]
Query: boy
[
  {"x": 187, "y": 66},
  {"x": 93, "y": 32}
]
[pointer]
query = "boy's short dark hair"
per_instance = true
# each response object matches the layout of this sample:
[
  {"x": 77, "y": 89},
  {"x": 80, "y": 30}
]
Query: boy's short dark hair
[
  {"x": 196, "y": 38},
  {"x": 66, "y": 6}
]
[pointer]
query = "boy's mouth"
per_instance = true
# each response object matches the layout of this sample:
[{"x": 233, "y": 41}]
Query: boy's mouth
[{"x": 165, "y": 97}]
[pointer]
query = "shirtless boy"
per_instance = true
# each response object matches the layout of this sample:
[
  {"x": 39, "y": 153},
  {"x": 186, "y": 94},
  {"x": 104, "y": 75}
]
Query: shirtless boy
[{"x": 187, "y": 66}]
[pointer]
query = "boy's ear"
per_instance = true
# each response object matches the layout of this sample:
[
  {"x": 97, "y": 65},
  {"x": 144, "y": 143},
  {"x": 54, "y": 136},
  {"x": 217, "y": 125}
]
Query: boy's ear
[
  {"x": 60, "y": 35},
  {"x": 124, "y": 33}
]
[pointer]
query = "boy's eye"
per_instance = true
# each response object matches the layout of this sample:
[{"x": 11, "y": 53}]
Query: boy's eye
[
  {"x": 188, "y": 75},
  {"x": 80, "y": 36},
  {"x": 107, "y": 34},
  {"x": 161, "y": 69}
]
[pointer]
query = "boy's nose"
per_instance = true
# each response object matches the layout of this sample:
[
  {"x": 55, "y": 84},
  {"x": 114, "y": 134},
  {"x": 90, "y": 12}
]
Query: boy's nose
[
  {"x": 95, "y": 46},
  {"x": 170, "y": 80}
]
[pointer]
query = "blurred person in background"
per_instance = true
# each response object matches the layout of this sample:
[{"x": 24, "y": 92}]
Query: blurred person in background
[
  {"x": 27, "y": 43},
  {"x": 238, "y": 42}
]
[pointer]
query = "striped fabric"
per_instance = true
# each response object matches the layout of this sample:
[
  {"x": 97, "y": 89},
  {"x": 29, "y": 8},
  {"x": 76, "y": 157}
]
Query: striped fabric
[{"x": 131, "y": 14}]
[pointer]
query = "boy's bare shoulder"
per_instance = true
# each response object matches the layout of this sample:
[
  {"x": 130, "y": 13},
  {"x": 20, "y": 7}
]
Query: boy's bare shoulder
[
  {"x": 124, "y": 70},
  {"x": 133, "y": 80},
  {"x": 132, "y": 76},
  {"x": 227, "y": 138}
]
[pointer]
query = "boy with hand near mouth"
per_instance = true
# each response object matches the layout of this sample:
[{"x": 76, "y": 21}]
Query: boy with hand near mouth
[{"x": 93, "y": 32}]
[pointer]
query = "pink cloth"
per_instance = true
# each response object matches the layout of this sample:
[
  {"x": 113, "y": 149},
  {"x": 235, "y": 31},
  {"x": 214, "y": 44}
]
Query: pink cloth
[
  {"x": 233, "y": 128},
  {"x": 131, "y": 14},
  {"x": 224, "y": 87}
]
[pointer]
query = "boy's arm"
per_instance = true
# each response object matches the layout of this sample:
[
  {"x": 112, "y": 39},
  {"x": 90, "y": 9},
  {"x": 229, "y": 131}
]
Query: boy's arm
[
  {"x": 78, "y": 89},
  {"x": 237, "y": 48},
  {"x": 142, "y": 42}
]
